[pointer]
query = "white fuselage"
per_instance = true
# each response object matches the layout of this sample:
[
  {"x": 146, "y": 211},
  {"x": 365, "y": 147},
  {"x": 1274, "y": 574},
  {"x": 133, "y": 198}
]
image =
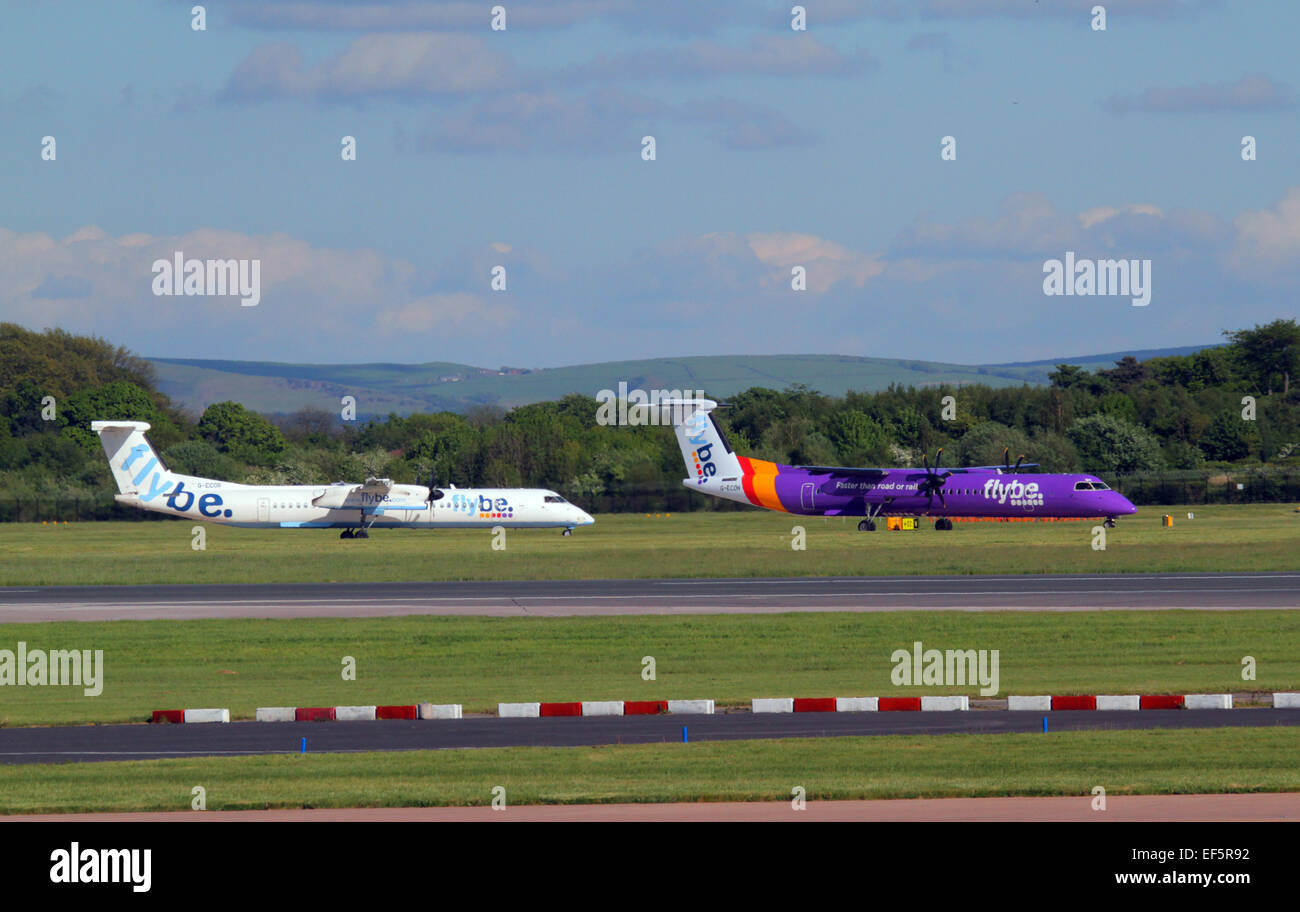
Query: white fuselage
[{"x": 344, "y": 506}]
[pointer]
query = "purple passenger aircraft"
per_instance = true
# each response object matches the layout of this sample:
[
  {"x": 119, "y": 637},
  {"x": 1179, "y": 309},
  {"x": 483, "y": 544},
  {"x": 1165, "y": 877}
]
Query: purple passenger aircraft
[{"x": 979, "y": 491}]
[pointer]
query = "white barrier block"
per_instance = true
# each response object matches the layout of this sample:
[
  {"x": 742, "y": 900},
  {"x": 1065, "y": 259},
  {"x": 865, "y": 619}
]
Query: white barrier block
[
  {"x": 439, "y": 711},
  {"x": 1119, "y": 701},
  {"x": 944, "y": 704},
  {"x": 603, "y": 708},
  {"x": 773, "y": 705},
  {"x": 207, "y": 715},
  {"x": 857, "y": 704},
  {"x": 276, "y": 714},
  {"x": 691, "y": 706},
  {"x": 1033, "y": 704},
  {"x": 519, "y": 710},
  {"x": 354, "y": 713},
  {"x": 1207, "y": 701},
  {"x": 1281, "y": 701}
]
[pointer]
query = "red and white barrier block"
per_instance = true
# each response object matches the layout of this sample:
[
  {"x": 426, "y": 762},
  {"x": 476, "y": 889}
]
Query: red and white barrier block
[
  {"x": 602, "y": 708},
  {"x": 1286, "y": 701},
  {"x": 357, "y": 713},
  {"x": 1119, "y": 702},
  {"x": 859, "y": 704},
  {"x": 1207, "y": 701},
  {"x": 191, "y": 715}
]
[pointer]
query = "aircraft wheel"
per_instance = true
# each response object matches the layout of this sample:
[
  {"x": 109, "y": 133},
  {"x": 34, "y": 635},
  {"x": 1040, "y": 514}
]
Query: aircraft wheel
[
  {"x": 346, "y": 533},
  {"x": 943, "y": 525},
  {"x": 866, "y": 526},
  {"x": 361, "y": 533},
  {"x": 1109, "y": 523},
  {"x": 567, "y": 532}
]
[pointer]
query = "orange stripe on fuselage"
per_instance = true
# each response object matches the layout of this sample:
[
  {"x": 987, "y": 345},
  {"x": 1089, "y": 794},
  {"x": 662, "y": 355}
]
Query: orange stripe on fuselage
[{"x": 760, "y": 482}]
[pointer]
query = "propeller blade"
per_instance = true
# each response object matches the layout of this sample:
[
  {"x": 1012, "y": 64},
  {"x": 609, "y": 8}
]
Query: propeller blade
[{"x": 1006, "y": 458}]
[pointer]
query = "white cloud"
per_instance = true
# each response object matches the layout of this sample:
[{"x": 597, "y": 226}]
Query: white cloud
[
  {"x": 383, "y": 65},
  {"x": 827, "y": 263}
]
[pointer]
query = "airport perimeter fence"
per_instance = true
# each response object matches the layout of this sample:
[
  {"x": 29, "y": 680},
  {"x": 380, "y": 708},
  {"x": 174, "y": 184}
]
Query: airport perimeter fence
[
  {"x": 1192, "y": 487},
  {"x": 1213, "y": 487}
]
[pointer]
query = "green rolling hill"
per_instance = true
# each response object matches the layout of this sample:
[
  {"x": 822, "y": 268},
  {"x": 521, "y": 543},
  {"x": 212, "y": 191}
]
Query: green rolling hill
[{"x": 273, "y": 387}]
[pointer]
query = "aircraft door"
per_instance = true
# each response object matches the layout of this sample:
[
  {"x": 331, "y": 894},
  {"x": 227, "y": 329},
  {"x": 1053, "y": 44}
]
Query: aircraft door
[
  {"x": 809, "y": 490},
  {"x": 263, "y": 509}
]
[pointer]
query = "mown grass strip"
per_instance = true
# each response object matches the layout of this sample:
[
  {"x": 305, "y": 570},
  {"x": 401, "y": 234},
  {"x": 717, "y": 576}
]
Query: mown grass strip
[
  {"x": 243, "y": 664},
  {"x": 1183, "y": 761},
  {"x": 743, "y": 544}
]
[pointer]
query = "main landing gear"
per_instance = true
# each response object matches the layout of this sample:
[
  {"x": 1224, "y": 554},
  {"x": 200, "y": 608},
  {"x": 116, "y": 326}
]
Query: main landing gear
[
  {"x": 1110, "y": 522},
  {"x": 363, "y": 532},
  {"x": 942, "y": 524},
  {"x": 873, "y": 511}
]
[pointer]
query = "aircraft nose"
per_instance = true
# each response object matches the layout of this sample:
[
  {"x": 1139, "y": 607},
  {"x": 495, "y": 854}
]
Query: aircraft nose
[
  {"x": 1122, "y": 505},
  {"x": 584, "y": 518}
]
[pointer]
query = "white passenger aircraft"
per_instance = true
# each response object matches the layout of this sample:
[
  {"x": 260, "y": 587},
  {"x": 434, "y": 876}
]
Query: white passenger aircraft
[{"x": 144, "y": 482}]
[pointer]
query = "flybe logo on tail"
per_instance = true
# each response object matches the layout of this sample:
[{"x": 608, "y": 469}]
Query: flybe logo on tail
[
  {"x": 209, "y": 505},
  {"x": 703, "y": 452}
]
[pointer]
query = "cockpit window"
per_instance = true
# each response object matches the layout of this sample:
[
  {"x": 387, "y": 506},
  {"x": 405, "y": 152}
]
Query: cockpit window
[
  {"x": 1100, "y": 486},
  {"x": 1083, "y": 486},
  {"x": 554, "y": 498}
]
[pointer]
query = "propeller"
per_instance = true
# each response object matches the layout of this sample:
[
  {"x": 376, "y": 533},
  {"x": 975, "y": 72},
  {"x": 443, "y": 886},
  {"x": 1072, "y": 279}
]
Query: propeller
[
  {"x": 434, "y": 493},
  {"x": 932, "y": 483},
  {"x": 1006, "y": 461}
]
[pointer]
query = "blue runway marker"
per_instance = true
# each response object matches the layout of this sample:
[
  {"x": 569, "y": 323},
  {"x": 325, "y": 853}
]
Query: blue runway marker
[
  {"x": 304, "y": 742},
  {"x": 1044, "y": 724},
  {"x": 684, "y": 738}
]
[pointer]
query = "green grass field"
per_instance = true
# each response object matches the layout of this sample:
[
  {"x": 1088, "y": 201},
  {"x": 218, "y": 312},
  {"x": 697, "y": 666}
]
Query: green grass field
[
  {"x": 742, "y": 544},
  {"x": 1065, "y": 763},
  {"x": 478, "y": 662},
  {"x": 242, "y": 664}
]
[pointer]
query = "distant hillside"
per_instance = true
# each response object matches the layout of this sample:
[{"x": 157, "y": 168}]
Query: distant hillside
[{"x": 271, "y": 387}]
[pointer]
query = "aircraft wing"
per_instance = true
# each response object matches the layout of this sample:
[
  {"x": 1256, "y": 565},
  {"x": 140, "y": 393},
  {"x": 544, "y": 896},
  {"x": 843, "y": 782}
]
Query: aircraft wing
[
  {"x": 336, "y": 495},
  {"x": 1000, "y": 469},
  {"x": 842, "y": 470}
]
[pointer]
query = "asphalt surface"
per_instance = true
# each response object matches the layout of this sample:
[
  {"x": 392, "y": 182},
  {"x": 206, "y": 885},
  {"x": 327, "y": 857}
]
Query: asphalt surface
[
  {"x": 146, "y": 742},
  {"x": 1223, "y": 591}
]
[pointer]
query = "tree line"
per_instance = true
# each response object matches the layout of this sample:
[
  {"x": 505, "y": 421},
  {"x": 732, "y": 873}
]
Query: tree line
[{"x": 1230, "y": 406}]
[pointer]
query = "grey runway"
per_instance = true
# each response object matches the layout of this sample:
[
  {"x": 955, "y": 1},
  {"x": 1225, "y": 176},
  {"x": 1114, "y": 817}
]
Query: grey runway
[
  {"x": 554, "y": 598},
  {"x": 83, "y": 743}
]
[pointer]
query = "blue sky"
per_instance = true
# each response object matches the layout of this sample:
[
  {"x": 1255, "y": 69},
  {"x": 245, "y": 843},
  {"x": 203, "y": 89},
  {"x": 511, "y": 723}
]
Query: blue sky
[{"x": 522, "y": 148}]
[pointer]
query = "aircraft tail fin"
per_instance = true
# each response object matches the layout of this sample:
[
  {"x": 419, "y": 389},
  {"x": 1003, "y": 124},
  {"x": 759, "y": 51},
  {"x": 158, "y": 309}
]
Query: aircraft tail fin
[
  {"x": 130, "y": 454},
  {"x": 705, "y": 449}
]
